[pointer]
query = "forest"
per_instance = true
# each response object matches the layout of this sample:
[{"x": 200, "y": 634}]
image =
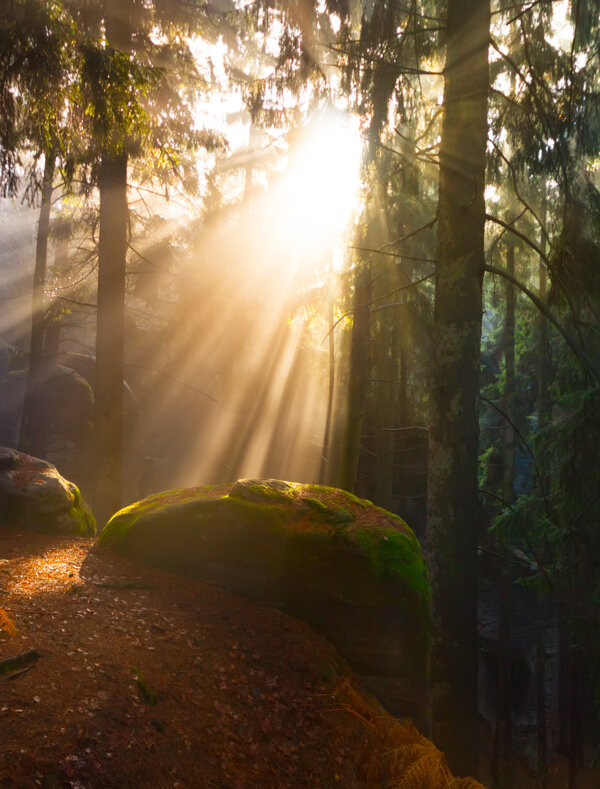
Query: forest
[{"x": 351, "y": 243}]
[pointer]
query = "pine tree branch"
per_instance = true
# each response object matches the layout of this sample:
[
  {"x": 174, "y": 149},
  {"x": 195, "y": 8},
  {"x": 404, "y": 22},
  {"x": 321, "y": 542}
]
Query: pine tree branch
[
  {"x": 393, "y": 255},
  {"x": 510, "y": 227},
  {"x": 171, "y": 378},
  {"x": 403, "y": 287},
  {"x": 520, "y": 197},
  {"x": 577, "y": 350},
  {"x": 526, "y": 446}
]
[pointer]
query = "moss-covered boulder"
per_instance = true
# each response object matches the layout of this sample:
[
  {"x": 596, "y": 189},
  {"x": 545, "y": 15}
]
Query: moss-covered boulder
[
  {"x": 34, "y": 496},
  {"x": 349, "y": 569}
]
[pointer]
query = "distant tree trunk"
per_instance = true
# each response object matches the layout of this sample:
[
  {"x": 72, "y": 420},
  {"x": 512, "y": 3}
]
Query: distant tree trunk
[
  {"x": 359, "y": 380},
  {"x": 543, "y": 349},
  {"x": 388, "y": 414},
  {"x": 52, "y": 339},
  {"x": 503, "y": 736},
  {"x": 240, "y": 454},
  {"x": 33, "y": 424},
  {"x": 510, "y": 299},
  {"x": 286, "y": 424},
  {"x": 110, "y": 333},
  {"x": 564, "y": 684},
  {"x": 325, "y": 465},
  {"x": 540, "y": 660},
  {"x": 577, "y": 710},
  {"x": 543, "y": 416},
  {"x": 453, "y": 506}
]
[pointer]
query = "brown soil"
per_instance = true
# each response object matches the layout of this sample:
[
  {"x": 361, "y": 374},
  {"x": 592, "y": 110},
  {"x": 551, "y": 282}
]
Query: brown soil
[{"x": 147, "y": 679}]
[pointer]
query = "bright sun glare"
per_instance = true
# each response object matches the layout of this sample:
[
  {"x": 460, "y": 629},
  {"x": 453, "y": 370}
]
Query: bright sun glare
[
  {"x": 272, "y": 257},
  {"x": 318, "y": 190}
]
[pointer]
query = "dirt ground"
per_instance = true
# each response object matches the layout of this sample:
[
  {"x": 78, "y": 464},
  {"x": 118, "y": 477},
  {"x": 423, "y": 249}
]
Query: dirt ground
[{"x": 147, "y": 679}]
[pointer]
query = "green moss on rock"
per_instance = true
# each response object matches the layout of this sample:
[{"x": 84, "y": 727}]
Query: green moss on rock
[
  {"x": 172, "y": 527},
  {"x": 349, "y": 569},
  {"x": 330, "y": 515},
  {"x": 36, "y": 497},
  {"x": 82, "y": 515},
  {"x": 262, "y": 490},
  {"x": 396, "y": 554}
]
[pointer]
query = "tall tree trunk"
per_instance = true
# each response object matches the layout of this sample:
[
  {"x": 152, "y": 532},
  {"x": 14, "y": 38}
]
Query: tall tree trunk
[
  {"x": 510, "y": 300},
  {"x": 540, "y": 677},
  {"x": 285, "y": 425},
  {"x": 239, "y": 448},
  {"x": 577, "y": 708},
  {"x": 388, "y": 412},
  {"x": 110, "y": 325},
  {"x": 453, "y": 506},
  {"x": 543, "y": 349},
  {"x": 543, "y": 416},
  {"x": 325, "y": 465},
  {"x": 33, "y": 424},
  {"x": 359, "y": 379},
  {"x": 503, "y": 737},
  {"x": 110, "y": 332},
  {"x": 564, "y": 684}
]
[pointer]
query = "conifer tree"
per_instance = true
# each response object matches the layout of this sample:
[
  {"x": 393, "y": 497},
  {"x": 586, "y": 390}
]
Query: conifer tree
[{"x": 453, "y": 501}]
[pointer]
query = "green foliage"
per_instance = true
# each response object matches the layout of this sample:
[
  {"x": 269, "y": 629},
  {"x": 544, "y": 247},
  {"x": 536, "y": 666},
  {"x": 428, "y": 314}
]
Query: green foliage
[
  {"x": 37, "y": 60},
  {"x": 559, "y": 529},
  {"x": 111, "y": 92}
]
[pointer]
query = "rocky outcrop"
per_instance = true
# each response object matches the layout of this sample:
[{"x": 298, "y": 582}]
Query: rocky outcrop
[
  {"x": 85, "y": 368},
  {"x": 352, "y": 571},
  {"x": 64, "y": 419},
  {"x": 34, "y": 496},
  {"x": 64, "y": 429},
  {"x": 69, "y": 405}
]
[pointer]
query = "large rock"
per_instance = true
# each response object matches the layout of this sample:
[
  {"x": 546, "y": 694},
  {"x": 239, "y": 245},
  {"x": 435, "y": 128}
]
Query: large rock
[
  {"x": 64, "y": 422},
  {"x": 85, "y": 368},
  {"x": 69, "y": 414},
  {"x": 34, "y": 496},
  {"x": 352, "y": 571}
]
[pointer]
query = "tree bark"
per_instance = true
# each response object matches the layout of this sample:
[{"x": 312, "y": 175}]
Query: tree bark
[
  {"x": 32, "y": 437},
  {"x": 576, "y": 728},
  {"x": 503, "y": 736},
  {"x": 389, "y": 416},
  {"x": 110, "y": 332},
  {"x": 453, "y": 506},
  {"x": 540, "y": 671},
  {"x": 543, "y": 416},
  {"x": 325, "y": 465},
  {"x": 359, "y": 378}
]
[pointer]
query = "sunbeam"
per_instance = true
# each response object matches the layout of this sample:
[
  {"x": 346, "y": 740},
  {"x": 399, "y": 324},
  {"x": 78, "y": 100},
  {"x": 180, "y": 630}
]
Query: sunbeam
[{"x": 245, "y": 337}]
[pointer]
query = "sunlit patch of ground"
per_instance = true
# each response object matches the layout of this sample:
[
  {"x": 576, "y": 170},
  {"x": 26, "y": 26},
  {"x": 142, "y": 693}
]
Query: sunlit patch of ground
[
  {"x": 53, "y": 571},
  {"x": 150, "y": 680}
]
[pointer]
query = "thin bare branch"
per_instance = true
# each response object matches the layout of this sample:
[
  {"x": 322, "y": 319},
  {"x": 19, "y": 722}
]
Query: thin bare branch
[
  {"x": 171, "y": 378},
  {"x": 577, "y": 350}
]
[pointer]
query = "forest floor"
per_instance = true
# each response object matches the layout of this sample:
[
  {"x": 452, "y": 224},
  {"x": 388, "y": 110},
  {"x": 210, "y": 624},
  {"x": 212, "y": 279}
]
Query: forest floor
[{"x": 147, "y": 679}]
